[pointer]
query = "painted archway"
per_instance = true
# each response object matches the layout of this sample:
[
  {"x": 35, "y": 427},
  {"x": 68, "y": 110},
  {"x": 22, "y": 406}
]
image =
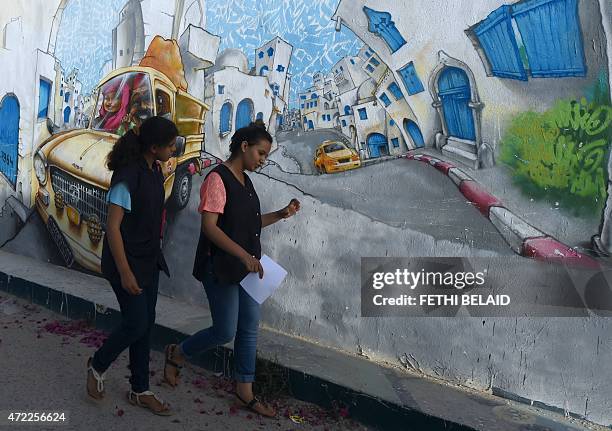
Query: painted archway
[
  {"x": 244, "y": 113},
  {"x": 378, "y": 145},
  {"x": 413, "y": 130}
]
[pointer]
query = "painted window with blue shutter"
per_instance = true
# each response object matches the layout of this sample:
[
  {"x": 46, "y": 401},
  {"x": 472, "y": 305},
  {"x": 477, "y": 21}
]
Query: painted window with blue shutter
[
  {"x": 352, "y": 61},
  {"x": 396, "y": 91},
  {"x": 302, "y": 106},
  {"x": 343, "y": 123},
  {"x": 302, "y": 97},
  {"x": 551, "y": 33},
  {"x": 226, "y": 118},
  {"x": 382, "y": 25},
  {"x": 411, "y": 79},
  {"x": 259, "y": 116},
  {"x": 67, "y": 96},
  {"x": 395, "y": 142},
  {"x": 369, "y": 68},
  {"x": 496, "y": 37},
  {"x": 347, "y": 110},
  {"x": 44, "y": 96},
  {"x": 385, "y": 99},
  {"x": 374, "y": 61},
  {"x": 220, "y": 89},
  {"x": 363, "y": 115},
  {"x": 264, "y": 71}
]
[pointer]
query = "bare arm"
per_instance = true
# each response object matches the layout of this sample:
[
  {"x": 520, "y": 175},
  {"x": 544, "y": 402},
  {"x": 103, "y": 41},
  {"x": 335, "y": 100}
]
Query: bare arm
[
  {"x": 270, "y": 218},
  {"x": 115, "y": 242}
]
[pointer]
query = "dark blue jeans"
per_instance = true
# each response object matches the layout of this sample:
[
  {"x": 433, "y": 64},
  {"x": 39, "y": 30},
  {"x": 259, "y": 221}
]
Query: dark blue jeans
[
  {"x": 235, "y": 315},
  {"x": 137, "y": 321}
]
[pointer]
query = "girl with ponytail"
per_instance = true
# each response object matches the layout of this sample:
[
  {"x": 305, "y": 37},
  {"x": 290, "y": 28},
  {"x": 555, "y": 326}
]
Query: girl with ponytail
[{"x": 131, "y": 254}]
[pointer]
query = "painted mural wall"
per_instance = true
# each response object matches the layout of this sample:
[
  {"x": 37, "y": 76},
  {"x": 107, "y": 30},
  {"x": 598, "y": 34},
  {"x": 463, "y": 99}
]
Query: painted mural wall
[{"x": 447, "y": 128}]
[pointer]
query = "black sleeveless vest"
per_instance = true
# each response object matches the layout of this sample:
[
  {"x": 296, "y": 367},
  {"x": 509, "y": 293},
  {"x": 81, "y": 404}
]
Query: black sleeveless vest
[
  {"x": 141, "y": 226},
  {"x": 241, "y": 221}
]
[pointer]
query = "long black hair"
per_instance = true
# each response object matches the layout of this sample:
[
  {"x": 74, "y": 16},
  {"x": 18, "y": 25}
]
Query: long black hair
[
  {"x": 158, "y": 131},
  {"x": 253, "y": 133}
]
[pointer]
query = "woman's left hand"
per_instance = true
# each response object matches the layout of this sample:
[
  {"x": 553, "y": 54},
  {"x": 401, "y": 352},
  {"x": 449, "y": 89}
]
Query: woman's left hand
[{"x": 290, "y": 210}]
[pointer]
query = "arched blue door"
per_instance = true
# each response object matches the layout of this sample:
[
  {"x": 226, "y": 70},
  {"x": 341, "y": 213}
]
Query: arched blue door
[
  {"x": 454, "y": 90},
  {"x": 264, "y": 71},
  {"x": 259, "y": 116},
  {"x": 414, "y": 132},
  {"x": 9, "y": 137},
  {"x": 347, "y": 110},
  {"x": 67, "y": 114},
  {"x": 310, "y": 125},
  {"x": 244, "y": 113},
  {"x": 226, "y": 116},
  {"x": 377, "y": 144}
]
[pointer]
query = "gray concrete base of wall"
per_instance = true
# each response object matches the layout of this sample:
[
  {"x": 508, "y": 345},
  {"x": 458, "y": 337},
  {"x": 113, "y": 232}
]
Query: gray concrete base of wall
[{"x": 383, "y": 396}]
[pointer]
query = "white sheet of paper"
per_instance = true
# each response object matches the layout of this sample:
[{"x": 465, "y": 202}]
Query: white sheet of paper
[{"x": 261, "y": 289}]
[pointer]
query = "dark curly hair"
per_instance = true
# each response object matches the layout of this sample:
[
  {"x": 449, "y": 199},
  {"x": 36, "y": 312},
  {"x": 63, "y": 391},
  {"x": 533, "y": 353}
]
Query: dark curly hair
[
  {"x": 253, "y": 133},
  {"x": 158, "y": 131}
]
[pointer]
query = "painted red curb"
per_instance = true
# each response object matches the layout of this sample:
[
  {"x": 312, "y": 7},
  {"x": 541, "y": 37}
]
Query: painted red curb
[
  {"x": 444, "y": 167},
  {"x": 482, "y": 199},
  {"x": 547, "y": 248},
  {"x": 425, "y": 159}
]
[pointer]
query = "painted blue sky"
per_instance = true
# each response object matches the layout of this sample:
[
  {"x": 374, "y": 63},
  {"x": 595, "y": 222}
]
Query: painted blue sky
[{"x": 243, "y": 24}]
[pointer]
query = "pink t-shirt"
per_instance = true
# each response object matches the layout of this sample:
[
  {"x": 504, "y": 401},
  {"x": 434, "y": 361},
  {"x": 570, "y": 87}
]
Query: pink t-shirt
[{"x": 212, "y": 194}]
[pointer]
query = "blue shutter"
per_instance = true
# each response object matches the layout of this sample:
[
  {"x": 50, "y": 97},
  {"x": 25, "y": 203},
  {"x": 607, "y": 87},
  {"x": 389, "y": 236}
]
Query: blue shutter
[
  {"x": 363, "y": 115},
  {"x": 395, "y": 142},
  {"x": 67, "y": 96},
  {"x": 259, "y": 116},
  {"x": 302, "y": 96},
  {"x": 369, "y": 68},
  {"x": 385, "y": 99},
  {"x": 374, "y": 61},
  {"x": 244, "y": 113},
  {"x": 396, "y": 91},
  {"x": 382, "y": 25},
  {"x": 226, "y": 115},
  {"x": 497, "y": 40},
  {"x": 411, "y": 79},
  {"x": 352, "y": 61},
  {"x": 9, "y": 137},
  {"x": 220, "y": 89},
  {"x": 263, "y": 69},
  {"x": 347, "y": 110},
  {"x": 551, "y": 33},
  {"x": 343, "y": 123},
  {"x": 44, "y": 95}
]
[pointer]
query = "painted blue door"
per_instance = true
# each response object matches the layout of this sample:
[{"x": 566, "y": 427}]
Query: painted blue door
[
  {"x": 310, "y": 125},
  {"x": 244, "y": 113},
  {"x": 454, "y": 91},
  {"x": 414, "y": 132},
  {"x": 67, "y": 114},
  {"x": 9, "y": 138},
  {"x": 377, "y": 144}
]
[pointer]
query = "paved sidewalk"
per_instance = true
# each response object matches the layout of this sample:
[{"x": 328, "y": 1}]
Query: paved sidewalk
[{"x": 43, "y": 361}]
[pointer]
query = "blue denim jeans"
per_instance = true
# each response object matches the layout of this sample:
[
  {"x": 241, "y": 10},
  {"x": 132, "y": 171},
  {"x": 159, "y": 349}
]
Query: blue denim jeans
[
  {"x": 235, "y": 315},
  {"x": 134, "y": 331}
]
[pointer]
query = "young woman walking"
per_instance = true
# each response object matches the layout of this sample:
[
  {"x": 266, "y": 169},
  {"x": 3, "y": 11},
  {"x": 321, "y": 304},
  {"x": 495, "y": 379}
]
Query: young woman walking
[
  {"x": 131, "y": 254},
  {"x": 229, "y": 248}
]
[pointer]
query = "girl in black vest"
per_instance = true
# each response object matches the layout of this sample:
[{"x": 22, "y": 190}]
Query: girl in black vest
[
  {"x": 229, "y": 248},
  {"x": 131, "y": 254}
]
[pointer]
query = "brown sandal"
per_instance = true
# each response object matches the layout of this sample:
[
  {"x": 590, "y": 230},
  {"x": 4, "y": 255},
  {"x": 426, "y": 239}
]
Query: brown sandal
[
  {"x": 251, "y": 405},
  {"x": 95, "y": 382},
  {"x": 134, "y": 399},
  {"x": 170, "y": 350}
]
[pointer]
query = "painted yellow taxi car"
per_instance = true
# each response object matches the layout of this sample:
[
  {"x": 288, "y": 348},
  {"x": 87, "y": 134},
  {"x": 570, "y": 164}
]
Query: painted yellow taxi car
[
  {"x": 335, "y": 156},
  {"x": 70, "y": 166}
]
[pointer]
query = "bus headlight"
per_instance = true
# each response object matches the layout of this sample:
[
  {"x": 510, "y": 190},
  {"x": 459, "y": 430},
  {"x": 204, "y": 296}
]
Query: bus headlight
[{"x": 40, "y": 168}]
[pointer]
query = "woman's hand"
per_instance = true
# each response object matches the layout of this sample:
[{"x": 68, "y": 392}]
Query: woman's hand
[
  {"x": 252, "y": 264},
  {"x": 129, "y": 283},
  {"x": 290, "y": 210}
]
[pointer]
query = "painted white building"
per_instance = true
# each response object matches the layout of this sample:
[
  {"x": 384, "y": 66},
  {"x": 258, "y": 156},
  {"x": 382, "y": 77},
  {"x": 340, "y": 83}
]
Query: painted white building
[
  {"x": 376, "y": 133},
  {"x": 26, "y": 98},
  {"x": 486, "y": 78},
  {"x": 141, "y": 20},
  {"x": 236, "y": 98}
]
